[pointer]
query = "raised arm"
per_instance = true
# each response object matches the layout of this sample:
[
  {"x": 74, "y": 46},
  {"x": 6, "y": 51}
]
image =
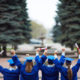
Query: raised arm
[
  {"x": 58, "y": 64},
  {"x": 1, "y": 69},
  {"x": 37, "y": 58},
  {"x": 16, "y": 60},
  {"x": 76, "y": 67},
  {"x": 41, "y": 60},
  {"x": 62, "y": 60},
  {"x": 43, "y": 57}
]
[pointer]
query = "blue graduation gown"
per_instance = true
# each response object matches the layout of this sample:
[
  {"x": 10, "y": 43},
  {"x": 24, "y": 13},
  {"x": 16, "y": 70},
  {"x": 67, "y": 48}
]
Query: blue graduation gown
[
  {"x": 9, "y": 75},
  {"x": 62, "y": 60},
  {"x": 64, "y": 70},
  {"x": 25, "y": 75},
  {"x": 48, "y": 73}
]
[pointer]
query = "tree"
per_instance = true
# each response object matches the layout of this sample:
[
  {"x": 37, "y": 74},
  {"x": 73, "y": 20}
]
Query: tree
[
  {"x": 56, "y": 31},
  {"x": 11, "y": 23},
  {"x": 25, "y": 23},
  {"x": 37, "y": 29},
  {"x": 69, "y": 13}
]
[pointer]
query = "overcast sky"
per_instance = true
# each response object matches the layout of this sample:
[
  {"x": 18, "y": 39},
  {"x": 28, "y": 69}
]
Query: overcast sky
[{"x": 42, "y": 11}]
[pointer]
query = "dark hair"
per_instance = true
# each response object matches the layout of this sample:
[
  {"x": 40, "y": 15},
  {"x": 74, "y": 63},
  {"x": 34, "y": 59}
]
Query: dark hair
[
  {"x": 69, "y": 71},
  {"x": 50, "y": 63},
  {"x": 29, "y": 66}
]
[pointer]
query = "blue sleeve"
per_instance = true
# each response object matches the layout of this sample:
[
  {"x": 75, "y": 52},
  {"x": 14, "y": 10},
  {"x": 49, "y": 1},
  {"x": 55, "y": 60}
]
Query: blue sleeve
[
  {"x": 62, "y": 60},
  {"x": 1, "y": 69},
  {"x": 37, "y": 59},
  {"x": 76, "y": 67},
  {"x": 17, "y": 61},
  {"x": 43, "y": 59},
  {"x": 40, "y": 61},
  {"x": 24, "y": 62},
  {"x": 59, "y": 66}
]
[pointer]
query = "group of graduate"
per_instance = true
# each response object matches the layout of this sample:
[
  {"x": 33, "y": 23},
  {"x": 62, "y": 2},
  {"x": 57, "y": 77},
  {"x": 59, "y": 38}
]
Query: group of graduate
[{"x": 28, "y": 71}]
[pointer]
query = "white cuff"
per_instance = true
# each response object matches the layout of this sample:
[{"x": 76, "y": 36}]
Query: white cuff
[
  {"x": 63, "y": 53},
  {"x": 79, "y": 56},
  {"x": 55, "y": 56},
  {"x": 37, "y": 54}
]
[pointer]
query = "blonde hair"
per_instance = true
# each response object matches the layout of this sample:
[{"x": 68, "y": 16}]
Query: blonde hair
[{"x": 29, "y": 66}]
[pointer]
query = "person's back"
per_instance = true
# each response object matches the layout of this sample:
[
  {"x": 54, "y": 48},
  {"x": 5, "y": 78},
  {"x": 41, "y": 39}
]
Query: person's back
[
  {"x": 49, "y": 73},
  {"x": 68, "y": 72},
  {"x": 29, "y": 76},
  {"x": 12, "y": 73},
  {"x": 28, "y": 71},
  {"x": 64, "y": 72}
]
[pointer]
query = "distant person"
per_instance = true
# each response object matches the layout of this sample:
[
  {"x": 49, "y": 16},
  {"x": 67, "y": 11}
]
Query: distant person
[
  {"x": 49, "y": 72},
  {"x": 28, "y": 72},
  {"x": 12, "y": 73},
  {"x": 27, "y": 55},
  {"x": 68, "y": 72}
]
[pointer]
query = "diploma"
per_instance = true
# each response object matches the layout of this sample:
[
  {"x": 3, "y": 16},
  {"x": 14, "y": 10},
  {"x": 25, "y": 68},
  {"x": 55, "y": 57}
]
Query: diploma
[
  {"x": 77, "y": 46},
  {"x": 1, "y": 51},
  {"x": 43, "y": 48}
]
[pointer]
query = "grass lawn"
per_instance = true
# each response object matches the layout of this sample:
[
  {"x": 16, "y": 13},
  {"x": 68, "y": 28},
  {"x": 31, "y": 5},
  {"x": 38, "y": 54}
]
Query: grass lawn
[
  {"x": 8, "y": 49},
  {"x": 75, "y": 48}
]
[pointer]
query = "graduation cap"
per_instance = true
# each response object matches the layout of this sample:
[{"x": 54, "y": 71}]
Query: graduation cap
[
  {"x": 11, "y": 62},
  {"x": 68, "y": 60},
  {"x": 29, "y": 59},
  {"x": 50, "y": 58}
]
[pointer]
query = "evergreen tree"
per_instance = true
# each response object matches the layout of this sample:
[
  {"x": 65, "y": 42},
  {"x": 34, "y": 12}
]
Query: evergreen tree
[
  {"x": 69, "y": 18},
  {"x": 25, "y": 23},
  {"x": 11, "y": 22},
  {"x": 56, "y": 30}
]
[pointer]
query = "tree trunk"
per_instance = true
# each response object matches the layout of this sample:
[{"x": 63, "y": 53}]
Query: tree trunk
[
  {"x": 15, "y": 47},
  {"x": 4, "y": 53},
  {"x": 72, "y": 47},
  {"x": 0, "y": 48}
]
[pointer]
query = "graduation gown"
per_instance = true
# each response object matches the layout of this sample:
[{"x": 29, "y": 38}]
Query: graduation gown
[
  {"x": 25, "y": 75},
  {"x": 64, "y": 70},
  {"x": 48, "y": 73},
  {"x": 62, "y": 60},
  {"x": 9, "y": 75}
]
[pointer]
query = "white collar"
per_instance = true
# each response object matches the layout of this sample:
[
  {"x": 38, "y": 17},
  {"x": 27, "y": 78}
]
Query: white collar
[
  {"x": 11, "y": 69},
  {"x": 50, "y": 65},
  {"x": 70, "y": 66}
]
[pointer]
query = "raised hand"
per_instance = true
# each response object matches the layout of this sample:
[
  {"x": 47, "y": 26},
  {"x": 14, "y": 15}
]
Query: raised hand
[
  {"x": 79, "y": 51},
  {"x": 13, "y": 52},
  {"x": 37, "y": 50},
  {"x": 45, "y": 52},
  {"x": 63, "y": 50},
  {"x": 55, "y": 53}
]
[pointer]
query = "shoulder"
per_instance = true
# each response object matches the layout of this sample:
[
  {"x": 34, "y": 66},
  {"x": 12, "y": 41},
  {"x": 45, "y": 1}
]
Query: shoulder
[{"x": 44, "y": 66}]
